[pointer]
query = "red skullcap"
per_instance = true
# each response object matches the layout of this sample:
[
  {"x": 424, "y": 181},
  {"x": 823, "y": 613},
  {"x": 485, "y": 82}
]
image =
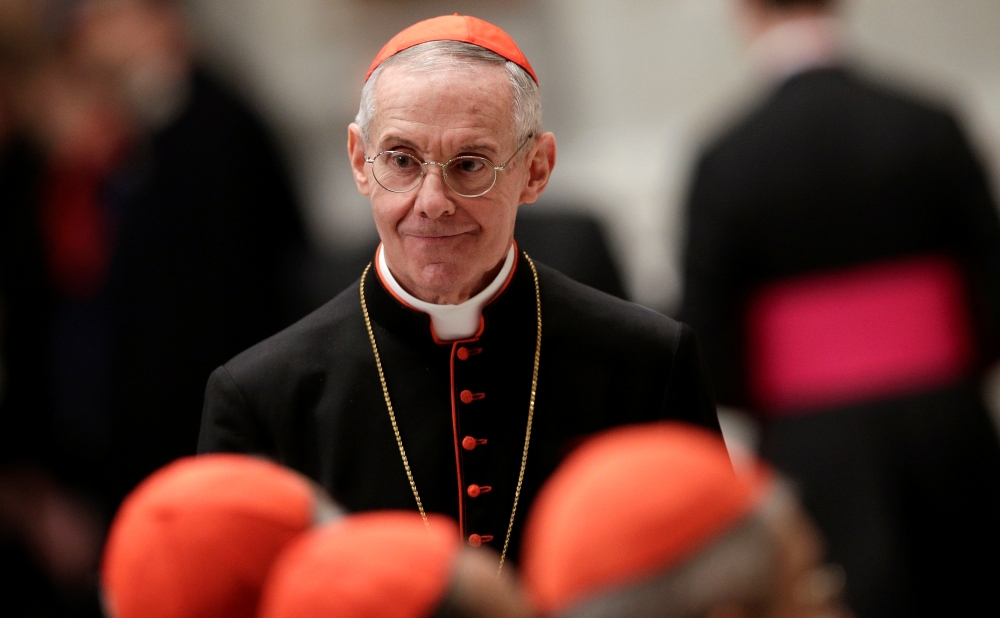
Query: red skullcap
[
  {"x": 626, "y": 505},
  {"x": 455, "y": 27},
  {"x": 196, "y": 539},
  {"x": 372, "y": 565}
]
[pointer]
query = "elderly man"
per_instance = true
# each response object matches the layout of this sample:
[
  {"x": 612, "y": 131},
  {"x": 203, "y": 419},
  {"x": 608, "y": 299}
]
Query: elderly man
[{"x": 457, "y": 372}]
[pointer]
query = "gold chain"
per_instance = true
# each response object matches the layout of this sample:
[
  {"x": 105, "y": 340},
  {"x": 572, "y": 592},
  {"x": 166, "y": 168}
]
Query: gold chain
[
  {"x": 385, "y": 393},
  {"x": 531, "y": 406}
]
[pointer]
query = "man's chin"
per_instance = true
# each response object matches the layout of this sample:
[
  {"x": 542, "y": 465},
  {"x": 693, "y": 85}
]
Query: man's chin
[{"x": 441, "y": 283}]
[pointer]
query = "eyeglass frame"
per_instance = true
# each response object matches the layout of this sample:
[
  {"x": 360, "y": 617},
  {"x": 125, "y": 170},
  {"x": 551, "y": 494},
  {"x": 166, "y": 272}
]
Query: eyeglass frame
[{"x": 444, "y": 168}]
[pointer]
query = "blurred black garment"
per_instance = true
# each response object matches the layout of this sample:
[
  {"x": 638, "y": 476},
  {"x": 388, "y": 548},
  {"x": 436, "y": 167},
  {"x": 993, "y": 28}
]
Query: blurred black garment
[
  {"x": 833, "y": 172},
  {"x": 24, "y": 301},
  {"x": 208, "y": 226},
  {"x": 26, "y": 445},
  {"x": 573, "y": 243},
  {"x": 204, "y": 224}
]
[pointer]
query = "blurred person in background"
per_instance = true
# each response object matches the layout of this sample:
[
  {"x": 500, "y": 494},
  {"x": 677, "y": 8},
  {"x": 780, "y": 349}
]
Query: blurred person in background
[
  {"x": 198, "y": 537},
  {"x": 389, "y": 565},
  {"x": 50, "y": 526},
  {"x": 645, "y": 522},
  {"x": 205, "y": 225},
  {"x": 416, "y": 387},
  {"x": 145, "y": 222},
  {"x": 843, "y": 270}
]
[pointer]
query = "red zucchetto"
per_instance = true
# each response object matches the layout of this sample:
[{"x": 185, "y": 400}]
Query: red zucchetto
[
  {"x": 372, "y": 565},
  {"x": 462, "y": 28},
  {"x": 197, "y": 538},
  {"x": 628, "y": 504}
]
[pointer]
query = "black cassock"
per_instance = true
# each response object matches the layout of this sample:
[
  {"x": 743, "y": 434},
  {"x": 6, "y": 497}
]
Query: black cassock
[
  {"x": 310, "y": 396},
  {"x": 829, "y": 174}
]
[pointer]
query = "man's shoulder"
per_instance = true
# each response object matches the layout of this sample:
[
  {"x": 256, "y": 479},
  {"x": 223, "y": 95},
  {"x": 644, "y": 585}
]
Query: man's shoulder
[
  {"x": 811, "y": 120},
  {"x": 602, "y": 320},
  {"x": 310, "y": 342}
]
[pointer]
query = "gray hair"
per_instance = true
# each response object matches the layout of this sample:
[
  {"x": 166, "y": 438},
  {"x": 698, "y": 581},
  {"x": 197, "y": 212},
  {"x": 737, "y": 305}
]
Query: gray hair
[
  {"x": 442, "y": 55},
  {"x": 740, "y": 567}
]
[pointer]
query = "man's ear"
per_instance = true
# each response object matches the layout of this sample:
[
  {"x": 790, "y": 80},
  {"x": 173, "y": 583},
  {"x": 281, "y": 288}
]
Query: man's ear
[
  {"x": 541, "y": 160},
  {"x": 356, "y": 151}
]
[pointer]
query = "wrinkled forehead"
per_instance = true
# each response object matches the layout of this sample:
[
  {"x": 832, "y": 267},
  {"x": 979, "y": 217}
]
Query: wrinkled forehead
[{"x": 456, "y": 102}]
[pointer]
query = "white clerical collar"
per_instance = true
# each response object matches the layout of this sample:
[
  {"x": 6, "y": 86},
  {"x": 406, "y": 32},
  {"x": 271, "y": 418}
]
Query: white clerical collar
[
  {"x": 798, "y": 44},
  {"x": 450, "y": 322}
]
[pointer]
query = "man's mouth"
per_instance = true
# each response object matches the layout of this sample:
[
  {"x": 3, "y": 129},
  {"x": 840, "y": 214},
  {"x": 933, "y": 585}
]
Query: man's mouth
[{"x": 432, "y": 236}]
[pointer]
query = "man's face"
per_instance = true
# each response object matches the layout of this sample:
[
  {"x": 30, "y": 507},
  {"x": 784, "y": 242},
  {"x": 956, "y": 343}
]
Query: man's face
[{"x": 440, "y": 246}]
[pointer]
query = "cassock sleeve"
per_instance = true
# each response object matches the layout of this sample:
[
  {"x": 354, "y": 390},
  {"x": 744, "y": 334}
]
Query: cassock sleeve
[
  {"x": 227, "y": 423},
  {"x": 689, "y": 396},
  {"x": 710, "y": 301},
  {"x": 977, "y": 234}
]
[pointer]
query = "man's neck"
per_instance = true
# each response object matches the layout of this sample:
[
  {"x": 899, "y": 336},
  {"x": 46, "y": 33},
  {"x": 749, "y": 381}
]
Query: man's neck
[{"x": 796, "y": 41}]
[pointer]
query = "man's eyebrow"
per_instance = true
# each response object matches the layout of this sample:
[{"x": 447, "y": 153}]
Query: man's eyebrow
[
  {"x": 478, "y": 147},
  {"x": 396, "y": 140}
]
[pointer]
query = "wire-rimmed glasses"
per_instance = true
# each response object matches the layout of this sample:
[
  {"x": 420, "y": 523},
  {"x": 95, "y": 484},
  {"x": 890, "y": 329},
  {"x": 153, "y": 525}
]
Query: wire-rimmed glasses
[{"x": 466, "y": 175}]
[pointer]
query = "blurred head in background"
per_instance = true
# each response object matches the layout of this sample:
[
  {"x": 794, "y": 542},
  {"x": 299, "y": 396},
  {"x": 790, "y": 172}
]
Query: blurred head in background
[
  {"x": 446, "y": 229},
  {"x": 787, "y": 36},
  {"x": 32, "y": 43},
  {"x": 85, "y": 77},
  {"x": 389, "y": 565},
  {"x": 652, "y": 521},
  {"x": 197, "y": 538},
  {"x": 757, "y": 16},
  {"x": 140, "y": 51}
]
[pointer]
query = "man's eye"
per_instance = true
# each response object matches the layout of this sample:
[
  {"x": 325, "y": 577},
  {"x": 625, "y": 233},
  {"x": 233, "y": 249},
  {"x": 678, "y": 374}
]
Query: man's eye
[
  {"x": 470, "y": 166},
  {"x": 402, "y": 161}
]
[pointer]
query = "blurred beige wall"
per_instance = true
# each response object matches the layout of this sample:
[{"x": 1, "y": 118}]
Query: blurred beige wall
[{"x": 630, "y": 87}]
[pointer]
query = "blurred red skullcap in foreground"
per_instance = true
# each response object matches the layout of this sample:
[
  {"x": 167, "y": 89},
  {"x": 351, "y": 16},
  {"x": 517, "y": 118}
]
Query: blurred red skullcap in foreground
[
  {"x": 628, "y": 504},
  {"x": 372, "y": 565},
  {"x": 462, "y": 28},
  {"x": 196, "y": 538}
]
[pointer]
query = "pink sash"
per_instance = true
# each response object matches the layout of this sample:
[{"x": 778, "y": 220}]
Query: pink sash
[{"x": 858, "y": 334}]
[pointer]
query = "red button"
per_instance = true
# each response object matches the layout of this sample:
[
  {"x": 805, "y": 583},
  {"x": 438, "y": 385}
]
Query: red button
[
  {"x": 475, "y": 490},
  {"x": 478, "y": 539},
  {"x": 468, "y": 396},
  {"x": 469, "y": 443},
  {"x": 463, "y": 354}
]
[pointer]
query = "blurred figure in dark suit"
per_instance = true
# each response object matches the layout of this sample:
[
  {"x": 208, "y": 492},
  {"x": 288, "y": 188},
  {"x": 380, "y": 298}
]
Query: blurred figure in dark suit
[
  {"x": 843, "y": 271},
  {"x": 49, "y": 529},
  {"x": 146, "y": 220},
  {"x": 206, "y": 224}
]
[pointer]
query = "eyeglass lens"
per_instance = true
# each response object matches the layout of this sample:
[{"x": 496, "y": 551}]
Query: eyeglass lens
[{"x": 468, "y": 176}]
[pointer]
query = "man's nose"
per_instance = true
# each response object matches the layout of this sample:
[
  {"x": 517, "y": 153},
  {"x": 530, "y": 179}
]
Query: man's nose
[{"x": 434, "y": 198}]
